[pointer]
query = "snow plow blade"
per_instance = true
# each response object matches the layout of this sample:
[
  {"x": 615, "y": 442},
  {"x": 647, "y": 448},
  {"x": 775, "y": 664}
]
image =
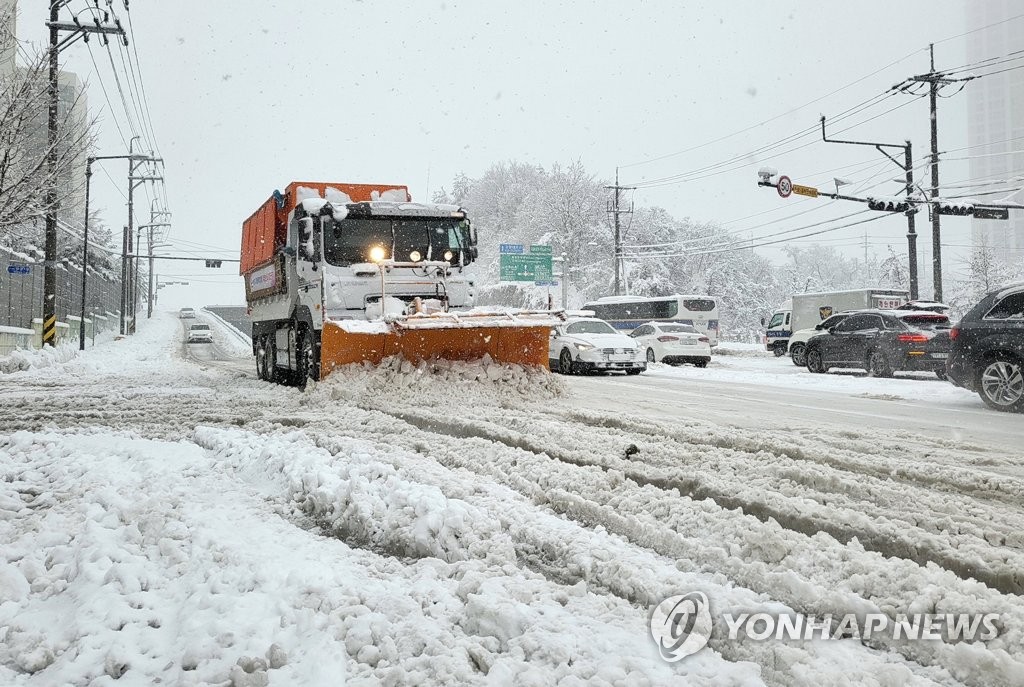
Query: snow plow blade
[{"x": 520, "y": 339}]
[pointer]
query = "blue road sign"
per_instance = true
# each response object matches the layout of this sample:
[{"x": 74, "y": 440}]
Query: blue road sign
[
  {"x": 18, "y": 268},
  {"x": 511, "y": 249}
]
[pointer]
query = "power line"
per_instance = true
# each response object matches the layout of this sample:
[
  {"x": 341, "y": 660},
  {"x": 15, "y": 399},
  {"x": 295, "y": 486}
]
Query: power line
[
  {"x": 772, "y": 119},
  {"x": 741, "y": 160}
]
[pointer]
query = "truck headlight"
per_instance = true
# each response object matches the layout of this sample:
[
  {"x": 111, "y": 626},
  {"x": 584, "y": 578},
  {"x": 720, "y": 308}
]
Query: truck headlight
[
  {"x": 415, "y": 256},
  {"x": 377, "y": 253},
  {"x": 448, "y": 255}
]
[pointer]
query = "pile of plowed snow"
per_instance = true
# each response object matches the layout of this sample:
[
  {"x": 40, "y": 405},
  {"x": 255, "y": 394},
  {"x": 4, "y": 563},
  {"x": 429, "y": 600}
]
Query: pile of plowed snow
[{"x": 439, "y": 382}]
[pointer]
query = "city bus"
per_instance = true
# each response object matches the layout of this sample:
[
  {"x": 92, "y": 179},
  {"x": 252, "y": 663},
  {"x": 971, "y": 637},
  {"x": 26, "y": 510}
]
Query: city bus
[{"x": 626, "y": 313}]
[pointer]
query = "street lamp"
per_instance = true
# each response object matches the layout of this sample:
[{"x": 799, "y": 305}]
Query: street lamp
[{"x": 85, "y": 235}]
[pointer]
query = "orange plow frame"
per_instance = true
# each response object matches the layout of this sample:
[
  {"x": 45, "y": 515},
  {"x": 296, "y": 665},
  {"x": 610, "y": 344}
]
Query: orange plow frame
[{"x": 521, "y": 343}]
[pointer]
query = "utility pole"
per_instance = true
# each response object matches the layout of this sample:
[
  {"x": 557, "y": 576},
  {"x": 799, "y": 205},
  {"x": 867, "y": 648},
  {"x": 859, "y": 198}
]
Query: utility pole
[
  {"x": 75, "y": 31},
  {"x": 935, "y": 81},
  {"x": 614, "y": 209},
  {"x": 85, "y": 245},
  {"x": 152, "y": 225},
  {"x": 908, "y": 167},
  {"x": 129, "y": 295}
]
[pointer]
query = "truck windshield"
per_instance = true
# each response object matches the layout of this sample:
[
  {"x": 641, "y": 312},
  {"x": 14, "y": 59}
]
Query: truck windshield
[{"x": 350, "y": 240}]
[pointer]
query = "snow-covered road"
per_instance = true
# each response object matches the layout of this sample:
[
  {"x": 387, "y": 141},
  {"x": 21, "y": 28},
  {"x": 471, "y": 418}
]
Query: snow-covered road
[{"x": 165, "y": 516}]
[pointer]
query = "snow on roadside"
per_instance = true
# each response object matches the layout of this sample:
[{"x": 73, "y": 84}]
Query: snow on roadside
[
  {"x": 781, "y": 373},
  {"x": 232, "y": 341}
]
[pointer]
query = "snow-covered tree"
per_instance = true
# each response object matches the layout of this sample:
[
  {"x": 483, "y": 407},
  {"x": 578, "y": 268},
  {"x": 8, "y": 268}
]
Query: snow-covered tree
[{"x": 25, "y": 177}]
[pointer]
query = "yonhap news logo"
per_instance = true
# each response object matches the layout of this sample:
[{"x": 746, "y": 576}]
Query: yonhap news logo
[{"x": 681, "y": 625}]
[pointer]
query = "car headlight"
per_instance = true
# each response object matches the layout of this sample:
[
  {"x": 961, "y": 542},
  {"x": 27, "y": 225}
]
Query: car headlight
[{"x": 584, "y": 346}]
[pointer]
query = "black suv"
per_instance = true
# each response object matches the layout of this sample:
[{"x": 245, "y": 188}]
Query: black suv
[
  {"x": 987, "y": 355},
  {"x": 883, "y": 342}
]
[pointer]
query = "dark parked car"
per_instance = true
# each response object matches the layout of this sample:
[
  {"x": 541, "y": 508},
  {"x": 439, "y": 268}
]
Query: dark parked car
[
  {"x": 883, "y": 342},
  {"x": 987, "y": 354}
]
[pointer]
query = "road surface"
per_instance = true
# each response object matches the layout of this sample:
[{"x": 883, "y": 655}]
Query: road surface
[{"x": 472, "y": 523}]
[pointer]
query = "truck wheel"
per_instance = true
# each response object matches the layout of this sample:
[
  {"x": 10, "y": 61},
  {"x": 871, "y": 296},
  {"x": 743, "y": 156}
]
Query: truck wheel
[
  {"x": 1001, "y": 383},
  {"x": 878, "y": 365},
  {"x": 779, "y": 350},
  {"x": 270, "y": 356},
  {"x": 815, "y": 362},
  {"x": 261, "y": 357},
  {"x": 799, "y": 354},
  {"x": 306, "y": 361}
]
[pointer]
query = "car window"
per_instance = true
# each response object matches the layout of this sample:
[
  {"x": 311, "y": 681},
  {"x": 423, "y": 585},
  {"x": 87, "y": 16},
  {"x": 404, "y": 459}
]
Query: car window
[
  {"x": 200, "y": 327},
  {"x": 1010, "y": 308},
  {"x": 589, "y": 327},
  {"x": 859, "y": 322},
  {"x": 678, "y": 329},
  {"x": 833, "y": 321},
  {"x": 930, "y": 321},
  {"x": 645, "y": 330}
]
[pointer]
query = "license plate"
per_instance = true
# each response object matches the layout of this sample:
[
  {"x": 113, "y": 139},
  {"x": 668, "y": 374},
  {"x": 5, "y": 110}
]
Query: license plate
[
  {"x": 940, "y": 355},
  {"x": 619, "y": 358},
  {"x": 688, "y": 343}
]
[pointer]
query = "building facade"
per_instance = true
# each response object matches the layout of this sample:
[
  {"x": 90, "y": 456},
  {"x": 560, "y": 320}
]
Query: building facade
[{"x": 995, "y": 119}]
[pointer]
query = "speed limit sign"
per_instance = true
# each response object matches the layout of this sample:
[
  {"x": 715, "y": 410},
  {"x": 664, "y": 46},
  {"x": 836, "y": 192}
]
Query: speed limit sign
[{"x": 785, "y": 186}]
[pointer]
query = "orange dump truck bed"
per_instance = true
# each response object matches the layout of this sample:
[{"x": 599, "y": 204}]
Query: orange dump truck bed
[{"x": 266, "y": 230}]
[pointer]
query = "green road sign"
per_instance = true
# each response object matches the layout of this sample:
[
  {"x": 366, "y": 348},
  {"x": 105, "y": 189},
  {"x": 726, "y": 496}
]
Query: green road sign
[
  {"x": 540, "y": 250},
  {"x": 529, "y": 267}
]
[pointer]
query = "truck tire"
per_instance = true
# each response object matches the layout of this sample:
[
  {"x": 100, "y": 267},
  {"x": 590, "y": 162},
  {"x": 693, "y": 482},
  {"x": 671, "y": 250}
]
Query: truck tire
[
  {"x": 261, "y": 358},
  {"x": 798, "y": 352},
  {"x": 1001, "y": 383},
  {"x": 270, "y": 355},
  {"x": 779, "y": 350},
  {"x": 306, "y": 362}
]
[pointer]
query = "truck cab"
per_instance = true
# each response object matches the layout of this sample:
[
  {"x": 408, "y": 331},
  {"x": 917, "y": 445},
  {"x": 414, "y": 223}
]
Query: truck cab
[{"x": 779, "y": 329}]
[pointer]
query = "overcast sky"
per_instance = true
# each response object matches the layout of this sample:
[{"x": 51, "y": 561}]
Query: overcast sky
[{"x": 248, "y": 96}]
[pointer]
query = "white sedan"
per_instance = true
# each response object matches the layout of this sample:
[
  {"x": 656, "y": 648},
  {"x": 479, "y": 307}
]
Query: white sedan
[
  {"x": 200, "y": 333},
  {"x": 586, "y": 344},
  {"x": 669, "y": 342}
]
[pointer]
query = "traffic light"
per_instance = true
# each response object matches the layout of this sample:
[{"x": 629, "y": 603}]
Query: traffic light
[
  {"x": 962, "y": 209},
  {"x": 888, "y": 204},
  {"x": 213, "y": 263}
]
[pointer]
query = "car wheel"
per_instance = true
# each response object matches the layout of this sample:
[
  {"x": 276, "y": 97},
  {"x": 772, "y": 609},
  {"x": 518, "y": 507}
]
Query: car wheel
[
  {"x": 650, "y": 355},
  {"x": 878, "y": 365},
  {"x": 815, "y": 362},
  {"x": 565, "y": 362},
  {"x": 635, "y": 370},
  {"x": 701, "y": 363},
  {"x": 1001, "y": 383},
  {"x": 941, "y": 374},
  {"x": 799, "y": 354}
]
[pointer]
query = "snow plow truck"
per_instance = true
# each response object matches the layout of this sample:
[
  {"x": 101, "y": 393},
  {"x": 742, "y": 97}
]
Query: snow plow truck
[{"x": 340, "y": 273}]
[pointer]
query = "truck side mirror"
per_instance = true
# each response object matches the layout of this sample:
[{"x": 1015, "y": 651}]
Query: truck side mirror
[
  {"x": 762, "y": 321},
  {"x": 307, "y": 245}
]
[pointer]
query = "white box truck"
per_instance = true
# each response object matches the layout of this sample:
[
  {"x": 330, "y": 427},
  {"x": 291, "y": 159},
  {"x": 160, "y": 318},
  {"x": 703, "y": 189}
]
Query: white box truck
[{"x": 804, "y": 310}]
